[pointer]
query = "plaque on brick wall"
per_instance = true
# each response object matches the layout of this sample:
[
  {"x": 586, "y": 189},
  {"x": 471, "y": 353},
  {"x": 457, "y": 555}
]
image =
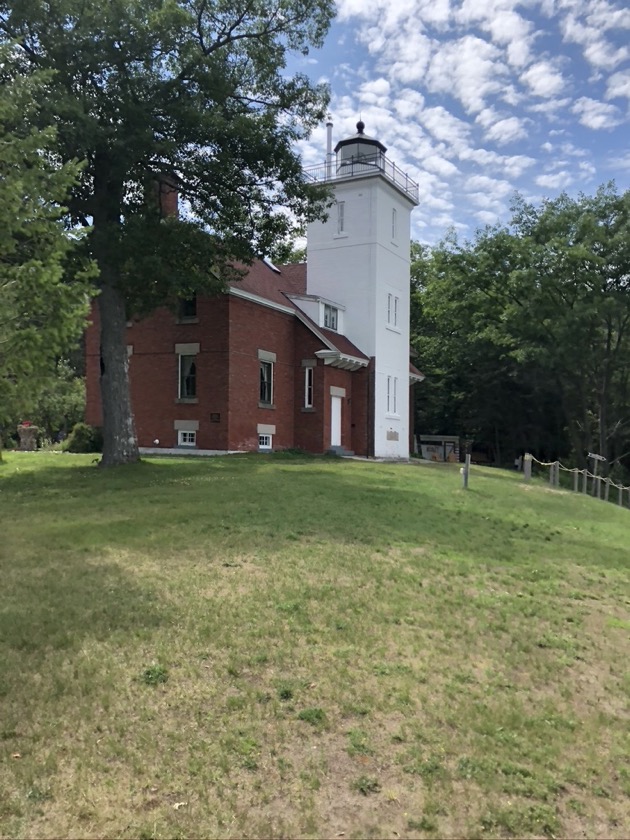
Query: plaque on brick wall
[{"x": 391, "y": 435}]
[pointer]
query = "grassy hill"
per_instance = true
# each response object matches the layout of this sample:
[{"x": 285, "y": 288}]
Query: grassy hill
[{"x": 277, "y": 646}]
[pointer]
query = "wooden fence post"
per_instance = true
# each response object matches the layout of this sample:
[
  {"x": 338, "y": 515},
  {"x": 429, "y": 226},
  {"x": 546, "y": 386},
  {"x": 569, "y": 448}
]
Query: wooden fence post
[
  {"x": 557, "y": 474},
  {"x": 585, "y": 482},
  {"x": 606, "y": 489},
  {"x": 552, "y": 474},
  {"x": 620, "y": 494},
  {"x": 527, "y": 467},
  {"x": 576, "y": 480}
]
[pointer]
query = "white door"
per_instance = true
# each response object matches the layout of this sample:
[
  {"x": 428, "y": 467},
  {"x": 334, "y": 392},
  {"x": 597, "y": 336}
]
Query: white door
[{"x": 335, "y": 421}]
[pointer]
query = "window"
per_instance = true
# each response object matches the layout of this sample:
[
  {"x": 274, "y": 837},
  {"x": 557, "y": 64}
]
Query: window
[
  {"x": 341, "y": 217},
  {"x": 187, "y": 377},
  {"x": 394, "y": 223},
  {"x": 187, "y": 438},
  {"x": 266, "y": 383},
  {"x": 393, "y": 304},
  {"x": 308, "y": 387},
  {"x": 264, "y": 441},
  {"x": 331, "y": 317},
  {"x": 392, "y": 383},
  {"x": 187, "y": 310}
]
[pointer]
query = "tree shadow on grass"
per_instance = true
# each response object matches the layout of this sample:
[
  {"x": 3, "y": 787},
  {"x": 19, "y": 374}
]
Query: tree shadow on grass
[{"x": 55, "y": 604}]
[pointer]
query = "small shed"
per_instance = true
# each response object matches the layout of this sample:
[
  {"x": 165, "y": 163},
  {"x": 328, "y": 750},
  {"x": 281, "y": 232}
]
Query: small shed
[{"x": 439, "y": 447}]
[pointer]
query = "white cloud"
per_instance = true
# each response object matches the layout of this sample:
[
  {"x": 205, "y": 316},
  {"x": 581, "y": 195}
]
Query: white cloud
[
  {"x": 506, "y": 131},
  {"x": 440, "y": 166},
  {"x": 556, "y": 181},
  {"x": 486, "y": 217},
  {"x": 491, "y": 186},
  {"x": 587, "y": 169},
  {"x": 596, "y": 115},
  {"x": 543, "y": 79},
  {"x": 469, "y": 69},
  {"x": 408, "y": 103},
  {"x": 444, "y": 126},
  {"x": 512, "y": 166},
  {"x": 375, "y": 92},
  {"x": 619, "y": 85}
]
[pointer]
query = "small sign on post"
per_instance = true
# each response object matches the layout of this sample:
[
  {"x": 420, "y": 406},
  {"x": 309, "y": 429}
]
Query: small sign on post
[{"x": 597, "y": 484}]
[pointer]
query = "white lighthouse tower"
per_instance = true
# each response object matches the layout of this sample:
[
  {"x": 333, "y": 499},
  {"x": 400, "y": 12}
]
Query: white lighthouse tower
[{"x": 360, "y": 259}]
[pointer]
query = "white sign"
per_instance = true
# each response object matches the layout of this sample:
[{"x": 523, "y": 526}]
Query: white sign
[{"x": 596, "y": 457}]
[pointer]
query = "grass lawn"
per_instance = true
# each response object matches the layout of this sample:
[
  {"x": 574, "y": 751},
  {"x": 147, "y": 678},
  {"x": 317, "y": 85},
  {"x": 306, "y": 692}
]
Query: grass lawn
[{"x": 283, "y": 646}]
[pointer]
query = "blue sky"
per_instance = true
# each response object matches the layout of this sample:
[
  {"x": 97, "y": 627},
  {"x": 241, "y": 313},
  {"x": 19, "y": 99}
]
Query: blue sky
[{"x": 476, "y": 99}]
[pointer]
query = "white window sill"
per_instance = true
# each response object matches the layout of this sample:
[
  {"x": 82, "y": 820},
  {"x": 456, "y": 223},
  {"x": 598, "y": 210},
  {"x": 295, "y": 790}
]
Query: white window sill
[
  {"x": 394, "y": 329},
  {"x": 340, "y": 236},
  {"x": 394, "y": 243},
  {"x": 185, "y": 400},
  {"x": 391, "y": 416}
]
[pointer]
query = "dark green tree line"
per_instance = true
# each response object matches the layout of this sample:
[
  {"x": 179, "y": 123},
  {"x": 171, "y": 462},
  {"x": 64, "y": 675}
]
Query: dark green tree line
[{"x": 524, "y": 332}]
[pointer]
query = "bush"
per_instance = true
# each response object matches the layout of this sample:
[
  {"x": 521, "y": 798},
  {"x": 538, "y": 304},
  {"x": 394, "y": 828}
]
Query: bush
[{"x": 84, "y": 438}]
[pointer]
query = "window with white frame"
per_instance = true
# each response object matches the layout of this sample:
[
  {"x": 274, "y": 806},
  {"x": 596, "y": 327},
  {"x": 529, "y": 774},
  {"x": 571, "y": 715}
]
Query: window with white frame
[
  {"x": 186, "y": 438},
  {"x": 331, "y": 317},
  {"x": 393, "y": 306},
  {"x": 341, "y": 217},
  {"x": 392, "y": 387},
  {"x": 266, "y": 383},
  {"x": 265, "y": 441},
  {"x": 187, "y": 377},
  {"x": 394, "y": 223},
  {"x": 308, "y": 387}
]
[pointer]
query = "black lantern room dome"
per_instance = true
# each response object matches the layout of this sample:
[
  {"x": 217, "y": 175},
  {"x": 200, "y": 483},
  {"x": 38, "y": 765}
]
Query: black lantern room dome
[{"x": 358, "y": 147}]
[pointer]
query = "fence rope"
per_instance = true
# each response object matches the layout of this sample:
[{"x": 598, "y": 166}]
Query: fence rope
[{"x": 585, "y": 471}]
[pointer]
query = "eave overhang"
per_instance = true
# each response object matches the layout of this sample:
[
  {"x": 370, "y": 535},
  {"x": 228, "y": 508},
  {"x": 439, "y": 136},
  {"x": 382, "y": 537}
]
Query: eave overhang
[{"x": 335, "y": 358}]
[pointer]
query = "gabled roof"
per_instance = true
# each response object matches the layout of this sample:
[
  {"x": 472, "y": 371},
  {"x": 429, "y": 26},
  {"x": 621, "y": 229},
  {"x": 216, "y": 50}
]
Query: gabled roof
[
  {"x": 263, "y": 281},
  {"x": 278, "y": 285}
]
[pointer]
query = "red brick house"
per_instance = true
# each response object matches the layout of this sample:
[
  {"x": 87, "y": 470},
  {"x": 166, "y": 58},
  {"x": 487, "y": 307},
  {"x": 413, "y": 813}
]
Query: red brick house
[{"x": 272, "y": 364}]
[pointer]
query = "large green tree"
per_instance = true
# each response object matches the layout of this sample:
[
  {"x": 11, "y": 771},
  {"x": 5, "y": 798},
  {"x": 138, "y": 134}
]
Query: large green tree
[
  {"x": 184, "y": 94},
  {"x": 41, "y": 312}
]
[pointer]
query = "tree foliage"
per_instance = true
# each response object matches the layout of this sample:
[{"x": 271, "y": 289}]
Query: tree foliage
[
  {"x": 41, "y": 312},
  {"x": 525, "y": 331},
  {"x": 191, "y": 94}
]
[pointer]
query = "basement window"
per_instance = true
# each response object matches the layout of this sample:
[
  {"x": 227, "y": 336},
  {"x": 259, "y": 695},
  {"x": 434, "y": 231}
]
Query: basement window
[
  {"x": 265, "y": 441},
  {"x": 186, "y": 438}
]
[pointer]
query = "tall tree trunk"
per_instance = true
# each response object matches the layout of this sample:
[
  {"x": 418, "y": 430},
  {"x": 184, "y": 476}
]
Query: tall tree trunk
[{"x": 120, "y": 444}]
